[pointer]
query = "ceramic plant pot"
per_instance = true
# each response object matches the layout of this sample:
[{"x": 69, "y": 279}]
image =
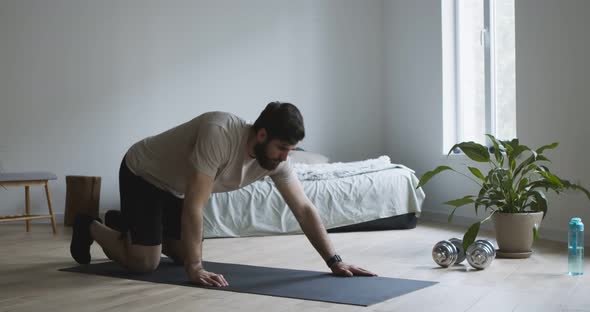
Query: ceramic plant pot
[{"x": 514, "y": 233}]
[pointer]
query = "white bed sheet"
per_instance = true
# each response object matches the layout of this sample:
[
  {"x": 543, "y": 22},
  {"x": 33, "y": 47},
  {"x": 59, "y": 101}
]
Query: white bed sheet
[{"x": 259, "y": 209}]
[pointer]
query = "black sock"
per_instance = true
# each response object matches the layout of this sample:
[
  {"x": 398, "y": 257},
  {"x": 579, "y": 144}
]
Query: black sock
[{"x": 81, "y": 238}]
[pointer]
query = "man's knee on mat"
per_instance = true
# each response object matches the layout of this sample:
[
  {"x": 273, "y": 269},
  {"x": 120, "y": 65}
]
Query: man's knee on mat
[
  {"x": 142, "y": 259},
  {"x": 143, "y": 264}
]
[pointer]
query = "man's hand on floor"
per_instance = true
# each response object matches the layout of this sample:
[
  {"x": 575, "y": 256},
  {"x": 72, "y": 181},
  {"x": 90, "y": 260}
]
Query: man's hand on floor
[
  {"x": 202, "y": 277},
  {"x": 347, "y": 270}
]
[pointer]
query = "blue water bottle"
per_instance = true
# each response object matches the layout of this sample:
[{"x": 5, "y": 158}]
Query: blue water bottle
[{"x": 575, "y": 257}]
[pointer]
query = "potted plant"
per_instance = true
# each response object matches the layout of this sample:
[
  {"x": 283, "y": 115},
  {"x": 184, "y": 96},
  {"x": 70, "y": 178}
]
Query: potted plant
[{"x": 512, "y": 191}]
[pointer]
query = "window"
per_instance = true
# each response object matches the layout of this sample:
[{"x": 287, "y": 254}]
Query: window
[{"x": 478, "y": 70}]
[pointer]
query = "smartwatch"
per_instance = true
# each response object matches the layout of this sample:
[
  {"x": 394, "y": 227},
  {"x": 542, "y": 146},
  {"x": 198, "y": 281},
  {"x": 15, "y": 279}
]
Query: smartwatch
[{"x": 335, "y": 258}]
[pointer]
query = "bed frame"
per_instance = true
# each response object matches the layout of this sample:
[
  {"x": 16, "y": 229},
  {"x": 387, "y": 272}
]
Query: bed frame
[{"x": 401, "y": 222}]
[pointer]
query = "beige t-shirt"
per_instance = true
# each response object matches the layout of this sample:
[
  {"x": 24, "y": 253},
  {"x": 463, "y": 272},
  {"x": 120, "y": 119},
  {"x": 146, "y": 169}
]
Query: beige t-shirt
[{"x": 214, "y": 144}]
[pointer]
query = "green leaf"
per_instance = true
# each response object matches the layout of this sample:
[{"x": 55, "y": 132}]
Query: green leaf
[
  {"x": 522, "y": 184},
  {"x": 550, "y": 146},
  {"x": 540, "y": 184},
  {"x": 553, "y": 179},
  {"x": 492, "y": 138},
  {"x": 474, "y": 151},
  {"x": 497, "y": 151},
  {"x": 477, "y": 173},
  {"x": 529, "y": 169},
  {"x": 535, "y": 232},
  {"x": 509, "y": 145},
  {"x": 470, "y": 235},
  {"x": 480, "y": 197},
  {"x": 526, "y": 162},
  {"x": 450, "y": 218},
  {"x": 461, "y": 201},
  {"x": 569, "y": 185},
  {"x": 518, "y": 150},
  {"x": 540, "y": 202},
  {"x": 512, "y": 143},
  {"x": 428, "y": 175}
]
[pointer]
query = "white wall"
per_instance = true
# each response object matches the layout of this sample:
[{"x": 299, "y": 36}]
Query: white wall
[
  {"x": 80, "y": 81},
  {"x": 552, "y": 67},
  {"x": 413, "y": 93},
  {"x": 413, "y": 99}
]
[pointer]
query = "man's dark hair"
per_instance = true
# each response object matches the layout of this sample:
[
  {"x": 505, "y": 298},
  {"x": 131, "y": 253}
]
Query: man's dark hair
[{"x": 282, "y": 121}]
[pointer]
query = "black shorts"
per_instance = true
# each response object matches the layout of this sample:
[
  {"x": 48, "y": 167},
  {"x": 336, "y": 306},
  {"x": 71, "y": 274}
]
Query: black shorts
[{"x": 149, "y": 213}]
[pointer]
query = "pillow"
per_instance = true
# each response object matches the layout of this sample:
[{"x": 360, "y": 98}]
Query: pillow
[{"x": 305, "y": 157}]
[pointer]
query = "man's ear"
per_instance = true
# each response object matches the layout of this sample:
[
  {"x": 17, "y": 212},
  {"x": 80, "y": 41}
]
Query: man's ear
[{"x": 261, "y": 135}]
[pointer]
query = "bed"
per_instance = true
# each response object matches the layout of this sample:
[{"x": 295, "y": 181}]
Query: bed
[{"x": 367, "y": 195}]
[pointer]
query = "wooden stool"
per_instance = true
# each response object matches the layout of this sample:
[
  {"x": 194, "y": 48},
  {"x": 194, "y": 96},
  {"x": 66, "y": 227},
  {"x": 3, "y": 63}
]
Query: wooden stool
[{"x": 28, "y": 179}]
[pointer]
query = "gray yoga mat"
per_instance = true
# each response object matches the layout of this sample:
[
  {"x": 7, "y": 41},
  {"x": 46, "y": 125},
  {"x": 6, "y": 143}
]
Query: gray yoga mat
[{"x": 307, "y": 285}]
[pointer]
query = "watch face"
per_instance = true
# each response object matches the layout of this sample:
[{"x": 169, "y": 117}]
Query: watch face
[{"x": 334, "y": 259}]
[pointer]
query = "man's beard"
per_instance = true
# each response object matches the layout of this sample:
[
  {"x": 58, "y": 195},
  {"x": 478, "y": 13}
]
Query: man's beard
[{"x": 263, "y": 160}]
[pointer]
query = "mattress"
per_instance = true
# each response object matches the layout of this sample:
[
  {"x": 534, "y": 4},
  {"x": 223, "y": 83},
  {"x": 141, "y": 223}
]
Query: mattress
[{"x": 344, "y": 194}]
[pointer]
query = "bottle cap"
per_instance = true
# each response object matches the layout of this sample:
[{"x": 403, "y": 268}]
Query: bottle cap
[{"x": 576, "y": 224}]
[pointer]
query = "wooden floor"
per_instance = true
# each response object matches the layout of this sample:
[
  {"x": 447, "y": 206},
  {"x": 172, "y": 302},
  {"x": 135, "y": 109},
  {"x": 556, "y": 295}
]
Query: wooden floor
[{"x": 30, "y": 280}]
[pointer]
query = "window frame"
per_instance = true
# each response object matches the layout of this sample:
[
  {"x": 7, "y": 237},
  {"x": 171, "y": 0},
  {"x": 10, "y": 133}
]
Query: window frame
[{"x": 451, "y": 72}]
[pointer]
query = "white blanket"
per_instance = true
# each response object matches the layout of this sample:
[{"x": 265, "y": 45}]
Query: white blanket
[{"x": 341, "y": 170}]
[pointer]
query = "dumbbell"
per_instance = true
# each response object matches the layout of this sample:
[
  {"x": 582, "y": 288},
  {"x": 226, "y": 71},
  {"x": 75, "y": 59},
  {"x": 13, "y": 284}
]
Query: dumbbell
[
  {"x": 448, "y": 252},
  {"x": 480, "y": 254}
]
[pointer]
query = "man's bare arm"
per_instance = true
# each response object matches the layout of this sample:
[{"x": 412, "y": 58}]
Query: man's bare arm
[
  {"x": 308, "y": 218},
  {"x": 198, "y": 190},
  {"x": 311, "y": 224}
]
